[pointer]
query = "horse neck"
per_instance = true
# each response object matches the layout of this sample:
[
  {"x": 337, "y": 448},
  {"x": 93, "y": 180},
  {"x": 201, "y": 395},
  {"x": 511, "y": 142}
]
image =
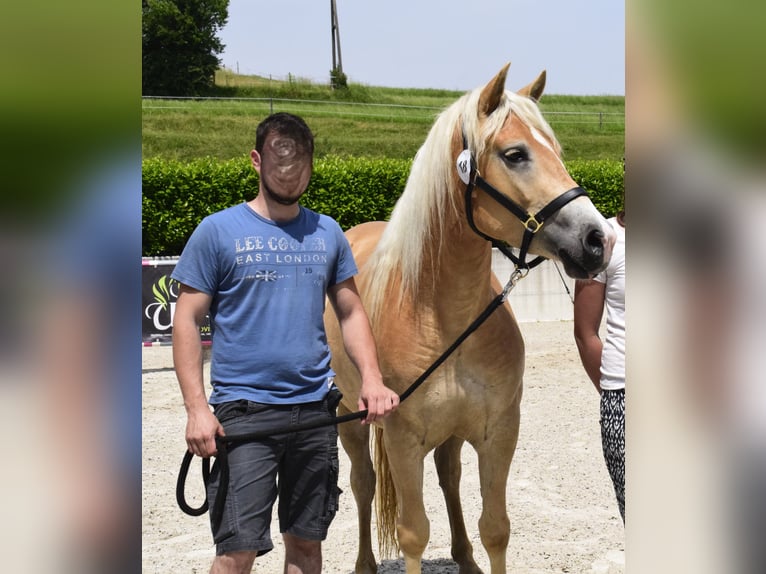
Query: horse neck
[{"x": 460, "y": 276}]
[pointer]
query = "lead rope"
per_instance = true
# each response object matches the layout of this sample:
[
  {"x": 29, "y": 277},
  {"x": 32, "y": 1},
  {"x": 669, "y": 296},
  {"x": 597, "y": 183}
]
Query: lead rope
[
  {"x": 222, "y": 460},
  {"x": 564, "y": 281}
]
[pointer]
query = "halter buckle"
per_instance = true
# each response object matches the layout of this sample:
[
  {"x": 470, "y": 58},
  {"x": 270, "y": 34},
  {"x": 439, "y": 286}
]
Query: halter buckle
[{"x": 532, "y": 225}]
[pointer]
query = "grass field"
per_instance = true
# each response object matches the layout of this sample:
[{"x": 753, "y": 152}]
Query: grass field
[{"x": 358, "y": 121}]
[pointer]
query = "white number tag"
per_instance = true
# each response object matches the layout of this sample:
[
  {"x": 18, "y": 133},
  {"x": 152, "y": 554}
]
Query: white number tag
[{"x": 463, "y": 165}]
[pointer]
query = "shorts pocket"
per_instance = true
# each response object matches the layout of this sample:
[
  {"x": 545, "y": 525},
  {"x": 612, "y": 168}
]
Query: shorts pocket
[
  {"x": 227, "y": 527},
  {"x": 332, "y": 490},
  {"x": 230, "y": 410}
]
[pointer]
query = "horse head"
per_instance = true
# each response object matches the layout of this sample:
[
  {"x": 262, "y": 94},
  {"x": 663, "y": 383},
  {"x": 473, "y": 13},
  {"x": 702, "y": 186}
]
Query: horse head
[{"x": 516, "y": 173}]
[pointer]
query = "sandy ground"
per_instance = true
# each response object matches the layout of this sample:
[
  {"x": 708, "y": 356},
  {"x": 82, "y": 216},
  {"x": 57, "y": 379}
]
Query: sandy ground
[{"x": 564, "y": 517}]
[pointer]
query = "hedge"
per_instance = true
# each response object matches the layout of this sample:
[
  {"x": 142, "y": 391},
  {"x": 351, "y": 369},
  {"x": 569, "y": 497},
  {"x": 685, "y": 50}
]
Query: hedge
[
  {"x": 177, "y": 195},
  {"x": 604, "y": 180}
]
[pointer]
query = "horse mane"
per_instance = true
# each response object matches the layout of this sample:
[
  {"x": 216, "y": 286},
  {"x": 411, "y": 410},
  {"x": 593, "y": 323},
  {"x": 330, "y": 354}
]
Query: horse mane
[{"x": 415, "y": 232}]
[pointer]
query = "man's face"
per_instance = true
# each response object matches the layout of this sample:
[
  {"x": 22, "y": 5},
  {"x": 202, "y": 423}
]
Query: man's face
[{"x": 285, "y": 169}]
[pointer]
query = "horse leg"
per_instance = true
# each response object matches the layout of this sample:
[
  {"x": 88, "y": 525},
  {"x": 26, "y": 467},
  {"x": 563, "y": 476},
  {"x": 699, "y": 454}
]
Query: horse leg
[
  {"x": 412, "y": 527},
  {"x": 495, "y": 455},
  {"x": 448, "y": 468},
  {"x": 355, "y": 440}
]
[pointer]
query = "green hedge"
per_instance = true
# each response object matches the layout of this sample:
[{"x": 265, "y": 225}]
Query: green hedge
[
  {"x": 604, "y": 180},
  {"x": 177, "y": 195}
]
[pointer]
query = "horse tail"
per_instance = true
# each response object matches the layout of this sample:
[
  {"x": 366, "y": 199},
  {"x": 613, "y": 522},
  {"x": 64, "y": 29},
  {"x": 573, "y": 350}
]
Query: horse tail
[{"x": 385, "y": 498}]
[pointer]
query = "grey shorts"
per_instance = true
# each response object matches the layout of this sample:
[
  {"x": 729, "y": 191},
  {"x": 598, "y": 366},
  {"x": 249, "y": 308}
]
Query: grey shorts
[{"x": 299, "y": 469}]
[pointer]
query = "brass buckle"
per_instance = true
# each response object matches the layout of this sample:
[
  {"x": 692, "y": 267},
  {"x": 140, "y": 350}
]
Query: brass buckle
[{"x": 532, "y": 225}]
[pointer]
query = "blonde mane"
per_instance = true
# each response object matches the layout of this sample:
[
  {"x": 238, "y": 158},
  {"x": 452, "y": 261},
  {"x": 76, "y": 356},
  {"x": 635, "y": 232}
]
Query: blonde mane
[{"x": 416, "y": 229}]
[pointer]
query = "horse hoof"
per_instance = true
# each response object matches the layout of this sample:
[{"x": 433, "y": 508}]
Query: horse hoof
[{"x": 366, "y": 568}]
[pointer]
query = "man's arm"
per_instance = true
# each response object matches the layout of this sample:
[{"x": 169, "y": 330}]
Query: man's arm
[
  {"x": 201, "y": 424},
  {"x": 588, "y": 311},
  {"x": 359, "y": 343}
]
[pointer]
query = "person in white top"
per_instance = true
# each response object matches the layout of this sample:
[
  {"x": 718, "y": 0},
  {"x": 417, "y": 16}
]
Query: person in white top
[{"x": 604, "y": 361}]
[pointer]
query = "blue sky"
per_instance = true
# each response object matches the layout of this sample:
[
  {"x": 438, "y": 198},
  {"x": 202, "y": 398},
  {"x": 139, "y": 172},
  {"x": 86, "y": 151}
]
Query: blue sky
[{"x": 449, "y": 44}]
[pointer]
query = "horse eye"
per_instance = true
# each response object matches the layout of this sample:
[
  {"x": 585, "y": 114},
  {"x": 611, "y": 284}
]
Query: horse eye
[{"x": 516, "y": 156}]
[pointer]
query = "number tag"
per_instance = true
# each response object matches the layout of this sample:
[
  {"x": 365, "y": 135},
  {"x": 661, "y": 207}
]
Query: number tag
[{"x": 463, "y": 165}]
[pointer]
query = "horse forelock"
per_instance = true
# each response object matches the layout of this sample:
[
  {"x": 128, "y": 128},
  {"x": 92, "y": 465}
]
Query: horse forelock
[
  {"x": 527, "y": 111},
  {"x": 480, "y": 132},
  {"x": 410, "y": 244}
]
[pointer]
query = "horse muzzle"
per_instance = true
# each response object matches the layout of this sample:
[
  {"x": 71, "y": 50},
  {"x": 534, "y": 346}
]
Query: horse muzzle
[{"x": 593, "y": 253}]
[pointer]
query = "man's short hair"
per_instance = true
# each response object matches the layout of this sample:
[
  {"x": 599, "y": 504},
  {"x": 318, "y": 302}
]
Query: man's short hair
[{"x": 285, "y": 124}]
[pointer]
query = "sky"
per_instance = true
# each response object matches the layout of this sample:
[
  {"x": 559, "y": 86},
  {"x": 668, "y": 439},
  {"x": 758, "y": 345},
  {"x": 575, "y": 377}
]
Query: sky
[{"x": 446, "y": 44}]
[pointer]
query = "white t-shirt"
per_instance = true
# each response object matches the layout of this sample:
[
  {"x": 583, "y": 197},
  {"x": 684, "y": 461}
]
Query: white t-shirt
[{"x": 613, "y": 353}]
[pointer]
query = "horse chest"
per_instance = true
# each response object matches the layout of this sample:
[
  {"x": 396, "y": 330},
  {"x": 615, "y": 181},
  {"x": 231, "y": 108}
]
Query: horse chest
[{"x": 460, "y": 390}]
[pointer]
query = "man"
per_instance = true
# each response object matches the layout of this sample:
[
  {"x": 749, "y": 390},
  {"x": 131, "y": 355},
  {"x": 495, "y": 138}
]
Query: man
[{"x": 262, "y": 269}]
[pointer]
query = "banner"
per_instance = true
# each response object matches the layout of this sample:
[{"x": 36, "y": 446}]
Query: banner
[{"x": 158, "y": 302}]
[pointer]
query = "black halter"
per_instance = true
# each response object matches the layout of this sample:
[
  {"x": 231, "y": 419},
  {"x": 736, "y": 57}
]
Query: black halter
[{"x": 466, "y": 167}]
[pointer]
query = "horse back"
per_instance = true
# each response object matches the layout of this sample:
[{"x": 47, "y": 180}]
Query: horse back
[{"x": 363, "y": 238}]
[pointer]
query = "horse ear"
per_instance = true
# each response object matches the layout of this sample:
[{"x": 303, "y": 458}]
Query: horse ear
[
  {"x": 493, "y": 92},
  {"x": 535, "y": 89}
]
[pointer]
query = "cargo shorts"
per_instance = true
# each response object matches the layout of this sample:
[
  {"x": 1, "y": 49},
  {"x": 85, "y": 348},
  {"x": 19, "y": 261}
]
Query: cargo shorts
[{"x": 299, "y": 469}]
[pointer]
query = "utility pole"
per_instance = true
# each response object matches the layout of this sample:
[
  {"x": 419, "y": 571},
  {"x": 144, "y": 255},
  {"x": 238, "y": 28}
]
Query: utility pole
[{"x": 337, "y": 60}]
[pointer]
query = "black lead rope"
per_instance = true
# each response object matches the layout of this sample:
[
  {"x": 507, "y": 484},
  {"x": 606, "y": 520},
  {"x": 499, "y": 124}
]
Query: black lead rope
[
  {"x": 222, "y": 462},
  {"x": 222, "y": 442}
]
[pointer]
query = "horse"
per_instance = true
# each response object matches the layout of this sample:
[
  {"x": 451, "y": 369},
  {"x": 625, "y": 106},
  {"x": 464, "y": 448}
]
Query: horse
[{"x": 424, "y": 275}]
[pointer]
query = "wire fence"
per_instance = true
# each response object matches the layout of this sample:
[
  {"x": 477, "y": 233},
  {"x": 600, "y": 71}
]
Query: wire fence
[{"x": 360, "y": 110}]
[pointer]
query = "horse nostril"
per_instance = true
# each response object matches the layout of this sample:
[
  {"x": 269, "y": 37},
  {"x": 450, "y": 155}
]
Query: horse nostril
[{"x": 594, "y": 242}]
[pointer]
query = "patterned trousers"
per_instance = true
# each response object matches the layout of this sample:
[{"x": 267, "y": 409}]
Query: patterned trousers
[{"x": 613, "y": 441}]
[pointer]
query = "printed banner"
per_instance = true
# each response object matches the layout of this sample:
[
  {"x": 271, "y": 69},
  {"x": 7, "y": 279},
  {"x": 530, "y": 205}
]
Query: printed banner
[{"x": 158, "y": 302}]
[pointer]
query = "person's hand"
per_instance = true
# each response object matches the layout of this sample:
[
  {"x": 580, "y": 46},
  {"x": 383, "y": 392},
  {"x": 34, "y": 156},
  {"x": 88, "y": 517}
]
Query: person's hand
[
  {"x": 378, "y": 399},
  {"x": 202, "y": 427}
]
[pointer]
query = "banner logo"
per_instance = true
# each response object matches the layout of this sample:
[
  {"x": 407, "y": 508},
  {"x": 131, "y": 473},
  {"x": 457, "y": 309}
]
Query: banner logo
[
  {"x": 161, "y": 311},
  {"x": 159, "y": 293}
]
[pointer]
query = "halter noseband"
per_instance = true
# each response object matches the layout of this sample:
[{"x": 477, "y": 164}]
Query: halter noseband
[{"x": 469, "y": 174}]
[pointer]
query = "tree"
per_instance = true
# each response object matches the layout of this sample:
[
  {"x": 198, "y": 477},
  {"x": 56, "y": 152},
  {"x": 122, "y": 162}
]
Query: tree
[{"x": 179, "y": 45}]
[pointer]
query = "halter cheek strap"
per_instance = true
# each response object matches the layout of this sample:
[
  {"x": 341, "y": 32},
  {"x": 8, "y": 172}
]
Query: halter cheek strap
[{"x": 532, "y": 223}]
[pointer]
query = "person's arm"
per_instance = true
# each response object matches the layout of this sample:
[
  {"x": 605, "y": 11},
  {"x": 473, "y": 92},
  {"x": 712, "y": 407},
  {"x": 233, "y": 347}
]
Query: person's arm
[
  {"x": 359, "y": 343},
  {"x": 588, "y": 311},
  {"x": 201, "y": 424}
]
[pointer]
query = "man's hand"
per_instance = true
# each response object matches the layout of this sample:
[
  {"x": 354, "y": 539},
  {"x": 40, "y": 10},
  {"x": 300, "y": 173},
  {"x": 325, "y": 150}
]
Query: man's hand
[
  {"x": 202, "y": 427},
  {"x": 378, "y": 399}
]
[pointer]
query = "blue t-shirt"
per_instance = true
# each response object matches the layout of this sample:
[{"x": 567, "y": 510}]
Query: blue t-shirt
[{"x": 268, "y": 281}]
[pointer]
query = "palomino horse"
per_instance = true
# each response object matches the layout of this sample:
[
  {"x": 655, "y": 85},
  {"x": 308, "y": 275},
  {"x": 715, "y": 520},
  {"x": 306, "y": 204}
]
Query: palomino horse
[{"x": 424, "y": 276}]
